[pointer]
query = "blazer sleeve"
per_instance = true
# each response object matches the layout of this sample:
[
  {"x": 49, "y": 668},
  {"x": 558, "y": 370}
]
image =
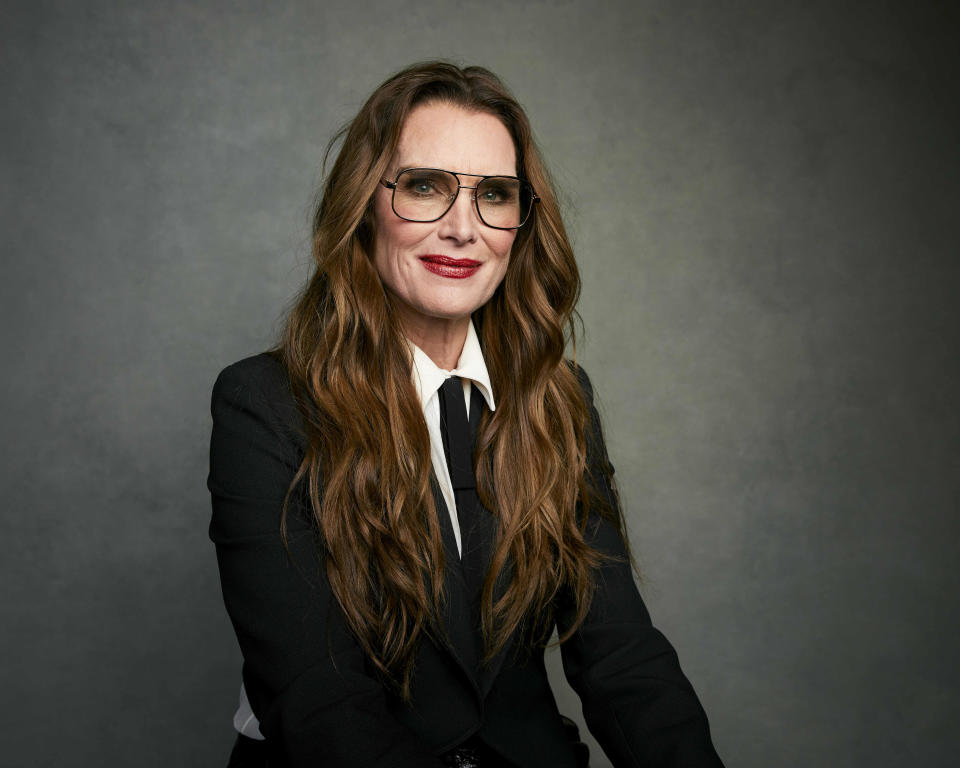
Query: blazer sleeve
[
  {"x": 636, "y": 700},
  {"x": 305, "y": 674}
]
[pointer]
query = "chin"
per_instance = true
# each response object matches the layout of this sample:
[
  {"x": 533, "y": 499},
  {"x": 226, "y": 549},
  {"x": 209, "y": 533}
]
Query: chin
[
  {"x": 452, "y": 310},
  {"x": 451, "y": 313}
]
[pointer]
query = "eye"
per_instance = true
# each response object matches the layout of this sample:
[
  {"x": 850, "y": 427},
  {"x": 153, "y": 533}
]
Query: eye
[
  {"x": 425, "y": 184},
  {"x": 419, "y": 186},
  {"x": 498, "y": 192}
]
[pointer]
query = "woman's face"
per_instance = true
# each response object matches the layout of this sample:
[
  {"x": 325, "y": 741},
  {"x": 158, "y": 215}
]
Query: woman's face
[{"x": 444, "y": 270}]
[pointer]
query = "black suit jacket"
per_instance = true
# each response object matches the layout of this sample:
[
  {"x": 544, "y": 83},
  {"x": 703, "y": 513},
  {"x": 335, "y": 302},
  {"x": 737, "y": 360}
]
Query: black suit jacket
[{"x": 312, "y": 687}]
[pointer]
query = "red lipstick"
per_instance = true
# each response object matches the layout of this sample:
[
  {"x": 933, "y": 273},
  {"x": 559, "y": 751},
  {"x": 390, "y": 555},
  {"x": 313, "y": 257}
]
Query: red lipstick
[{"x": 446, "y": 266}]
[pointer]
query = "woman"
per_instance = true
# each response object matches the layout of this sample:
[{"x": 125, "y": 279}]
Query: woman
[{"x": 411, "y": 491}]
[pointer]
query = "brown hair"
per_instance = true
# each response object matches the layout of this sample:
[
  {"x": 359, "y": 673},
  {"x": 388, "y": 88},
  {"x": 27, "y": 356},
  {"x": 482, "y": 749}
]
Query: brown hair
[{"x": 350, "y": 369}]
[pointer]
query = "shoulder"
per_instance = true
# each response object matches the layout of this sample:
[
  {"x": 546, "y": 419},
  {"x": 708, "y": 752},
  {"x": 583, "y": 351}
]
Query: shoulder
[
  {"x": 597, "y": 457},
  {"x": 258, "y": 386},
  {"x": 262, "y": 372},
  {"x": 582, "y": 378}
]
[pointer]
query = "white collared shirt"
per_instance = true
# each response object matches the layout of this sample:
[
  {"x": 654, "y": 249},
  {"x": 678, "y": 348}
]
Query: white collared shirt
[{"x": 427, "y": 378}]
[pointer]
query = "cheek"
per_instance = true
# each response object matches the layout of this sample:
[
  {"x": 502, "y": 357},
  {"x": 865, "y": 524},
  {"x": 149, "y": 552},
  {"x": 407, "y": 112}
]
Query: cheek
[
  {"x": 500, "y": 241},
  {"x": 389, "y": 242},
  {"x": 503, "y": 246},
  {"x": 393, "y": 236}
]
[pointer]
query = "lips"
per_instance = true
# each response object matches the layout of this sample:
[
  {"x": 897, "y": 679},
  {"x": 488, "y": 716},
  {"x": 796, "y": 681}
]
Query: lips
[{"x": 447, "y": 266}]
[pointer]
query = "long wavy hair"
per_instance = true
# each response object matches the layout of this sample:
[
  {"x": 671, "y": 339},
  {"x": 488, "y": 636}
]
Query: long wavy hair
[{"x": 367, "y": 464}]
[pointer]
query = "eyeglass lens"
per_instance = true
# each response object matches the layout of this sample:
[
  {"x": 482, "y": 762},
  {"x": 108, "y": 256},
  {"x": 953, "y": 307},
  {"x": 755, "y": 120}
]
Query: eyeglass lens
[{"x": 426, "y": 195}]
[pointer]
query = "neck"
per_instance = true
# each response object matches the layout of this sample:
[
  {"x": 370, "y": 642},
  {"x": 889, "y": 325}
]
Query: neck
[{"x": 441, "y": 339}]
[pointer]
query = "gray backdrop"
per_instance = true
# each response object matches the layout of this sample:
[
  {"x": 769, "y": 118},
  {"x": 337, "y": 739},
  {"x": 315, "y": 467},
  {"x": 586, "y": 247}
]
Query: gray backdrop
[{"x": 763, "y": 198}]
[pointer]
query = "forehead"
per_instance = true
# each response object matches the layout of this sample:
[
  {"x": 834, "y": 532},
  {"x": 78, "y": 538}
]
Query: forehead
[{"x": 444, "y": 136}]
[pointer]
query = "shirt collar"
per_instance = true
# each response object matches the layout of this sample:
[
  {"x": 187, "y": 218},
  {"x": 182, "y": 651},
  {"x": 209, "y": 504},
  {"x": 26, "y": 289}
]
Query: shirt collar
[{"x": 428, "y": 377}]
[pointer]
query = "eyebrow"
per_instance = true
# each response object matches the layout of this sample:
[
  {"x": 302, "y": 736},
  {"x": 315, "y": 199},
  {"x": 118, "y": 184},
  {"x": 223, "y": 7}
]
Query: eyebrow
[{"x": 409, "y": 167}]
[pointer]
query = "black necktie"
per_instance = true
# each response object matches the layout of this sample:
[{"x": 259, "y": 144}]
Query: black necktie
[{"x": 458, "y": 439}]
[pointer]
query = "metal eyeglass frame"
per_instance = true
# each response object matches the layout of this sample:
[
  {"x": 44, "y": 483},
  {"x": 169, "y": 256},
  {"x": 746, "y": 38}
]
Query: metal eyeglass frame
[{"x": 392, "y": 186}]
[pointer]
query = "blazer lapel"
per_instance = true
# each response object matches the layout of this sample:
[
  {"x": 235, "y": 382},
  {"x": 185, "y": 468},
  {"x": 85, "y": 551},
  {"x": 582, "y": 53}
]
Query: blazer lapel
[
  {"x": 477, "y": 525},
  {"x": 463, "y": 582},
  {"x": 462, "y": 608},
  {"x": 490, "y": 671},
  {"x": 456, "y": 611},
  {"x": 478, "y": 545}
]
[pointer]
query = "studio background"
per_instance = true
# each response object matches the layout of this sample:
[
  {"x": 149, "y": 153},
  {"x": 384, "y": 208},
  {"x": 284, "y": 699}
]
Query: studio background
[{"x": 763, "y": 199}]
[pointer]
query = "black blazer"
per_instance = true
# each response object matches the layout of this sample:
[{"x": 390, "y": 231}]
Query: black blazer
[{"x": 312, "y": 687}]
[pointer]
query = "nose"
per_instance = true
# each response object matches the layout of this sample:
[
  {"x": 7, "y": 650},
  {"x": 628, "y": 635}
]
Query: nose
[{"x": 461, "y": 223}]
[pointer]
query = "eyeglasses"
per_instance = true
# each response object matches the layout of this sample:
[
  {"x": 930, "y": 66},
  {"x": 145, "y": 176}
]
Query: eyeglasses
[{"x": 426, "y": 194}]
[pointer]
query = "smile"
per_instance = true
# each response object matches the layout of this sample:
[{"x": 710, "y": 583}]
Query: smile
[{"x": 445, "y": 266}]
